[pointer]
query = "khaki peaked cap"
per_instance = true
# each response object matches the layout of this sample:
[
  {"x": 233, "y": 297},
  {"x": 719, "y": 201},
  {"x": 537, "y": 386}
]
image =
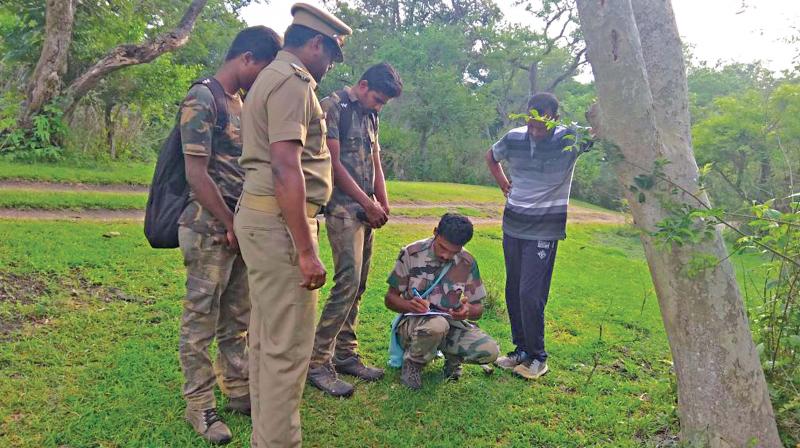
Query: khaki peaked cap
[{"x": 326, "y": 23}]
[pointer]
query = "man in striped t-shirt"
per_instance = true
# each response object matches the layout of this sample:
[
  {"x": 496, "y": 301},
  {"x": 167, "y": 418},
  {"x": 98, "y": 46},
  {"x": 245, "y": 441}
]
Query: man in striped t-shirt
[{"x": 541, "y": 162}]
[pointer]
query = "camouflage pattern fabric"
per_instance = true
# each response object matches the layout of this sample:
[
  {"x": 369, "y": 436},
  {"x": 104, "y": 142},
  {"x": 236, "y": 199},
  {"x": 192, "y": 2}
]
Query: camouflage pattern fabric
[
  {"x": 351, "y": 245},
  {"x": 198, "y": 120},
  {"x": 216, "y": 305},
  {"x": 355, "y": 148},
  {"x": 417, "y": 268},
  {"x": 422, "y": 336}
]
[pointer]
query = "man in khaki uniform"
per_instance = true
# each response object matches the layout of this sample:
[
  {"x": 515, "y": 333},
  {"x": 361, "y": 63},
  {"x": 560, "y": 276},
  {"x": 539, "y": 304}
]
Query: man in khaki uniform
[{"x": 287, "y": 181}]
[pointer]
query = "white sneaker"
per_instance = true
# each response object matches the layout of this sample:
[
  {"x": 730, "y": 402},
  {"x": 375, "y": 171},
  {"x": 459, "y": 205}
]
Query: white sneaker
[{"x": 532, "y": 370}]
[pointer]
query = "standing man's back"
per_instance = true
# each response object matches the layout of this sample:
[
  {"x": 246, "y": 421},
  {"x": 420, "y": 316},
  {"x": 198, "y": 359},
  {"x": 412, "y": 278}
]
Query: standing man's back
[
  {"x": 287, "y": 181},
  {"x": 217, "y": 302}
]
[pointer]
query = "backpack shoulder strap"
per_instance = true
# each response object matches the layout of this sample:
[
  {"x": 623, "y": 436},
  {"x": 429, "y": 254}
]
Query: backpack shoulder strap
[
  {"x": 345, "y": 112},
  {"x": 220, "y": 100}
]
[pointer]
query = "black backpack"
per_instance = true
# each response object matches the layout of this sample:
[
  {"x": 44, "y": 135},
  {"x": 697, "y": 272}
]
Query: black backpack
[{"x": 169, "y": 191}]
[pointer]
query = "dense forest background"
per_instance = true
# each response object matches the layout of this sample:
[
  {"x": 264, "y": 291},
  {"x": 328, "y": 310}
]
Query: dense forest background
[{"x": 465, "y": 69}]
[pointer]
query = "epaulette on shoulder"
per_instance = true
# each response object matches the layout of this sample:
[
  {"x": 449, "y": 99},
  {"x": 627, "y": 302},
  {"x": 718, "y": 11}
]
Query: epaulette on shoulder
[{"x": 301, "y": 72}]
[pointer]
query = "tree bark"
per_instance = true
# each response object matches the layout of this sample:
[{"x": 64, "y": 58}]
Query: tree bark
[
  {"x": 636, "y": 57},
  {"x": 126, "y": 55},
  {"x": 45, "y": 83}
]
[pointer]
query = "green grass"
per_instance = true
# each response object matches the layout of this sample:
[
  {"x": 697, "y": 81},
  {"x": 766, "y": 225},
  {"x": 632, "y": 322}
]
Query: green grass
[
  {"x": 112, "y": 173},
  {"x": 442, "y": 192},
  {"x": 85, "y": 365},
  {"x": 46, "y": 200}
]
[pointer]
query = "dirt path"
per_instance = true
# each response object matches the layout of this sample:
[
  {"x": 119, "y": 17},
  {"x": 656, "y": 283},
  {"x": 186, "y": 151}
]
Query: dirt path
[
  {"x": 576, "y": 215},
  {"x": 492, "y": 212},
  {"x": 58, "y": 186}
]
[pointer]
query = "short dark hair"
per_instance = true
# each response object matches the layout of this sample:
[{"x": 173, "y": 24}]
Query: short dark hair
[
  {"x": 455, "y": 228},
  {"x": 262, "y": 42},
  {"x": 383, "y": 78},
  {"x": 544, "y": 103},
  {"x": 297, "y": 35}
]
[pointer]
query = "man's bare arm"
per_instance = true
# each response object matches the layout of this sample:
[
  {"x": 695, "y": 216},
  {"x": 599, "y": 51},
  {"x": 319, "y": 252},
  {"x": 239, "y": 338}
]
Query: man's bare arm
[
  {"x": 395, "y": 302},
  {"x": 290, "y": 192},
  {"x": 380, "y": 182},
  {"x": 207, "y": 193},
  {"x": 343, "y": 180},
  {"x": 497, "y": 172}
]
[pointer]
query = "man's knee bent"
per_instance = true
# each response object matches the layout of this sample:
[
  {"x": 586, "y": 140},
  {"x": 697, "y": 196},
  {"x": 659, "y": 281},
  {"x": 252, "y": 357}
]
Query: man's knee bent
[{"x": 436, "y": 326}]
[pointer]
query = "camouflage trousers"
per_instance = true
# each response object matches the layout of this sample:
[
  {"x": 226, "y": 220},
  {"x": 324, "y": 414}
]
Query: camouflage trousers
[
  {"x": 422, "y": 336},
  {"x": 351, "y": 245},
  {"x": 217, "y": 304}
]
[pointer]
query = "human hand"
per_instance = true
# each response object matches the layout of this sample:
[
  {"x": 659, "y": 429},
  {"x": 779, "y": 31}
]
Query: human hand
[
  {"x": 462, "y": 312},
  {"x": 506, "y": 187},
  {"x": 418, "y": 305},
  {"x": 385, "y": 207},
  {"x": 312, "y": 269},
  {"x": 376, "y": 215},
  {"x": 232, "y": 241}
]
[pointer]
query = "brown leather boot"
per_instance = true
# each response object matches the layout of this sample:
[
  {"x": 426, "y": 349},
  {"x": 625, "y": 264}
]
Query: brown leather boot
[
  {"x": 411, "y": 375},
  {"x": 207, "y": 423},
  {"x": 353, "y": 366},
  {"x": 324, "y": 378}
]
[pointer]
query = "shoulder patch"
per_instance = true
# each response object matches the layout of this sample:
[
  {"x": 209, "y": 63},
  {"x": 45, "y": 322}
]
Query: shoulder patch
[
  {"x": 520, "y": 133},
  {"x": 301, "y": 72}
]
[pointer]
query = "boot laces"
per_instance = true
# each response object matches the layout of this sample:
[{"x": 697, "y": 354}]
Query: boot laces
[{"x": 210, "y": 417}]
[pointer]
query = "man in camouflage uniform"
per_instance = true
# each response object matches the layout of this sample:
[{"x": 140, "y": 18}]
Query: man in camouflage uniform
[
  {"x": 358, "y": 205},
  {"x": 217, "y": 302},
  {"x": 435, "y": 313}
]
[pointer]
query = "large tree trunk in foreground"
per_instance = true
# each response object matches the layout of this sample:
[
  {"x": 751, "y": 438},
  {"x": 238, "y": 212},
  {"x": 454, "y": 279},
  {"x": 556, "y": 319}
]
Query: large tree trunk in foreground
[
  {"x": 45, "y": 81},
  {"x": 635, "y": 53}
]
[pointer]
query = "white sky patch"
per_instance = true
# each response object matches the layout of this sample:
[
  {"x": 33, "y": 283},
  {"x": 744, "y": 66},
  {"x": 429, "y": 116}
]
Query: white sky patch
[{"x": 717, "y": 29}]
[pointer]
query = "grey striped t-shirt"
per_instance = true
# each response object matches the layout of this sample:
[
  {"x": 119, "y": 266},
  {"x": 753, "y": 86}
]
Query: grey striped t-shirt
[{"x": 541, "y": 178}]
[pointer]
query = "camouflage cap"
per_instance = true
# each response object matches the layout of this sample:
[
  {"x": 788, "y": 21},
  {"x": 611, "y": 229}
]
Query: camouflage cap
[{"x": 324, "y": 22}]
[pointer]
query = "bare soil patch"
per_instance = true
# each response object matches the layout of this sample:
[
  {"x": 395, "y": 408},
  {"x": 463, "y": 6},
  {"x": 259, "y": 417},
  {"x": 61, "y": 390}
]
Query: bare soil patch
[
  {"x": 73, "y": 215},
  {"x": 19, "y": 289},
  {"x": 60, "y": 186}
]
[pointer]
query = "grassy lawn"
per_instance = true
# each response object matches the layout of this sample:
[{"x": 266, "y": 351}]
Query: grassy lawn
[
  {"x": 89, "y": 351},
  {"x": 72, "y": 200},
  {"x": 112, "y": 173}
]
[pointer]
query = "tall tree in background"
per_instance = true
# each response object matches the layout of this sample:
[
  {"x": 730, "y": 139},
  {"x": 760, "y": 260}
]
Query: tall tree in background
[
  {"x": 48, "y": 77},
  {"x": 637, "y": 59}
]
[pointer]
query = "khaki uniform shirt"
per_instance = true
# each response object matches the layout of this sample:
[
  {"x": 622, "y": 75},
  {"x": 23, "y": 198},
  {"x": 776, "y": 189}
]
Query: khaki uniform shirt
[
  {"x": 417, "y": 267},
  {"x": 356, "y": 146},
  {"x": 282, "y": 106},
  {"x": 223, "y": 147}
]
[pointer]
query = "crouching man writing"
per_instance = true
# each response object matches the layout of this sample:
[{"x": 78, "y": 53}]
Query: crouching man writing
[{"x": 437, "y": 288}]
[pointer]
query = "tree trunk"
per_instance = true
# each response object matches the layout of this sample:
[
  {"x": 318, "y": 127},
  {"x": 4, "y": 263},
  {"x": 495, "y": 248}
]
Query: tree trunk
[
  {"x": 641, "y": 87},
  {"x": 125, "y": 55},
  {"x": 533, "y": 78},
  {"x": 45, "y": 83},
  {"x": 108, "y": 116}
]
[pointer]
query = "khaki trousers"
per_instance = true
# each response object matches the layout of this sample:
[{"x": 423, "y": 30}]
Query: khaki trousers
[
  {"x": 281, "y": 326},
  {"x": 351, "y": 245}
]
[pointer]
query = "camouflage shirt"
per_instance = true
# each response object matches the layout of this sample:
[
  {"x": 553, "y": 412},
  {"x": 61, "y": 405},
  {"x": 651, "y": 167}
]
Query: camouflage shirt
[
  {"x": 418, "y": 267},
  {"x": 355, "y": 147},
  {"x": 199, "y": 137}
]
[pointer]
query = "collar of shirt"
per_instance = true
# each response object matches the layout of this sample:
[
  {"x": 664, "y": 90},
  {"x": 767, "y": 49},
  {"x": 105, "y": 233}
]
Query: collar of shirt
[
  {"x": 291, "y": 58},
  {"x": 353, "y": 99},
  {"x": 429, "y": 251}
]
